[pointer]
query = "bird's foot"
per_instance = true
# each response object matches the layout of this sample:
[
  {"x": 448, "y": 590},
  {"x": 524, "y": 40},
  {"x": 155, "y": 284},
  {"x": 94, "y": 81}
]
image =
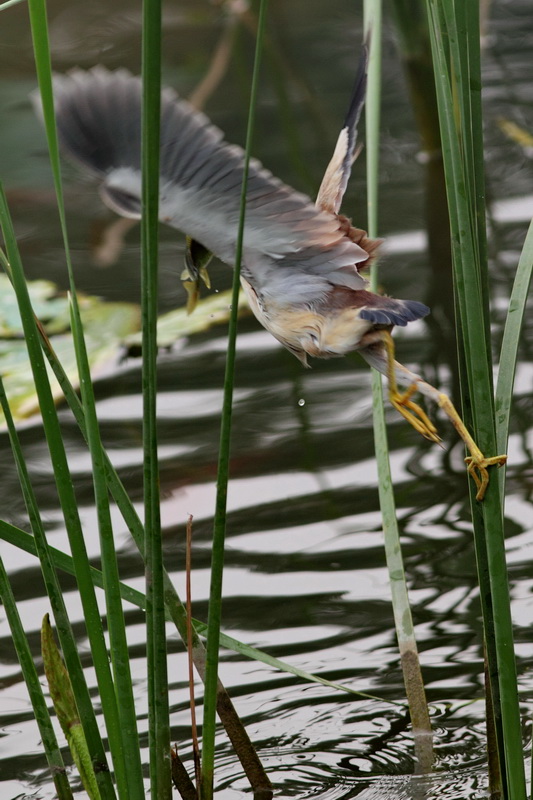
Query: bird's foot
[
  {"x": 476, "y": 462},
  {"x": 197, "y": 258},
  {"x": 477, "y": 469},
  {"x": 402, "y": 402},
  {"x": 413, "y": 413}
]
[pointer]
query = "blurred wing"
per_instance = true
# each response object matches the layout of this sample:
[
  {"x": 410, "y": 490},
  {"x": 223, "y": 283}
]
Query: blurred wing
[
  {"x": 339, "y": 168},
  {"x": 98, "y": 118}
]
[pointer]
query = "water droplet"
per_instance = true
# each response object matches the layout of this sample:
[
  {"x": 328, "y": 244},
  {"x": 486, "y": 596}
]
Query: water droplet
[{"x": 301, "y": 402}]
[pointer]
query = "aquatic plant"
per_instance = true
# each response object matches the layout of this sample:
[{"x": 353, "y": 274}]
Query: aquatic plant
[{"x": 455, "y": 42}]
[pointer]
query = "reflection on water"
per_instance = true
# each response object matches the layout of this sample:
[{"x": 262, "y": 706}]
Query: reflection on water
[{"x": 305, "y": 567}]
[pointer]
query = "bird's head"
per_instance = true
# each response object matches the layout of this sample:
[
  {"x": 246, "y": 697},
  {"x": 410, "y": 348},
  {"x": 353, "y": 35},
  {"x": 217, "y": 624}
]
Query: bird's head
[
  {"x": 306, "y": 332},
  {"x": 329, "y": 335}
]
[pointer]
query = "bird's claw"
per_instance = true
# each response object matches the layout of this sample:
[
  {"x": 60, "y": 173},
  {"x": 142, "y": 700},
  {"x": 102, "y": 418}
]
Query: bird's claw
[
  {"x": 477, "y": 469},
  {"x": 193, "y": 292},
  {"x": 413, "y": 413},
  {"x": 197, "y": 257},
  {"x": 476, "y": 463}
]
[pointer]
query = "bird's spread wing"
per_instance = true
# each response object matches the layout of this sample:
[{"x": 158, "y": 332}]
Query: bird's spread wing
[
  {"x": 339, "y": 168},
  {"x": 98, "y": 118}
]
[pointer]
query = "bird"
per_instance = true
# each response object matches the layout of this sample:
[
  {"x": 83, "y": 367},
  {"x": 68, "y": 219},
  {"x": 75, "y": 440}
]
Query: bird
[{"x": 301, "y": 260}]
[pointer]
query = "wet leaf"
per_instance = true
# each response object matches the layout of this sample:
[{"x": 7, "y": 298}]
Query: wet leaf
[{"x": 108, "y": 328}]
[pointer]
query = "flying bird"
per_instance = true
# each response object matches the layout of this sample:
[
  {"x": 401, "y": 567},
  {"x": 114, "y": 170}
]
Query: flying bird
[{"x": 301, "y": 260}]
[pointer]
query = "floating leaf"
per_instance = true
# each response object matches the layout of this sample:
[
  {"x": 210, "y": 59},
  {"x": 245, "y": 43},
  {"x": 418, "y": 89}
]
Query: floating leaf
[
  {"x": 105, "y": 326},
  {"x": 517, "y": 134},
  {"x": 51, "y": 308},
  {"x": 175, "y": 325},
  {"x": 108, "y": 328}
]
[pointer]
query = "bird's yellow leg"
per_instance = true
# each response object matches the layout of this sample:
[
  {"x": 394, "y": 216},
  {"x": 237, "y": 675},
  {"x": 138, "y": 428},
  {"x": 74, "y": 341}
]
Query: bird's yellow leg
[
  {"x": 402, "y": 402},
  {"x": 476, "y": 462}
]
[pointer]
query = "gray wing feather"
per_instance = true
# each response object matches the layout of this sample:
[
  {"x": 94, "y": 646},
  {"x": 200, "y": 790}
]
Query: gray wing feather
[
  {"x": 339, "y": 168},
  {"x": 98, "y": 117}
]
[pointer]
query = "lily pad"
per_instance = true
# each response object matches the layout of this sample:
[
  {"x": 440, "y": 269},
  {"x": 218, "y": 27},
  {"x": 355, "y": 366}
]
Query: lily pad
[
  {"x": 177, "y": 324},
  {"x": 50, "y": 307},
  {"x": 109, "y": 329},
  {"x": 105, "y": 326}
]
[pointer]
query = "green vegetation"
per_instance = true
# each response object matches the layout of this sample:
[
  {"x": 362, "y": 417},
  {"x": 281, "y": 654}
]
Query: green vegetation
[{"x": 110, "y": 766}]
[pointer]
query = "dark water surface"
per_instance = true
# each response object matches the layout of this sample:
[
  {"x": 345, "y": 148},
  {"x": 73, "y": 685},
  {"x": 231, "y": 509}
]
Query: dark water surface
[{"x": 305, "y": 578}]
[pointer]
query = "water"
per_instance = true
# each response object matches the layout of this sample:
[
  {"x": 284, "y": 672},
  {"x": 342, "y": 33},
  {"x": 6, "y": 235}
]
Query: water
[{"x": 305, "y": 575}]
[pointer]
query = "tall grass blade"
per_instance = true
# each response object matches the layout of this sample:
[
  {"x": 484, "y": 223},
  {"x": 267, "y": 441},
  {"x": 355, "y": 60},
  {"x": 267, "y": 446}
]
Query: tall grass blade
[
  {"x": 38, "y": 544},
  {"x": 219, "y": 529},
  {"x": 454, "y": 31},
  {"x": 22, "y": 540},
  {"x": 410, "y": 663},
  {"x": 158, "y": 709},
  {"x": 69, "y": 507},
  {"x": 234, "y": 728},
  {"x": 115, "y": 617},
  {"x": 510, "y": 344},
  {"x": 10, "y": 3},
  {"x": 509, "y": 351},
  {"x": 124, "y": 707},
  {"x": 40, "y": 709},
  {"x": 117, "y": 630}
]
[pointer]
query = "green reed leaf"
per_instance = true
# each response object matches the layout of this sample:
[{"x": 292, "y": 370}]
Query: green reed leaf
[
  {"x": 403, "y": 619},
  {"x": 69, "y": 507},
  {"x": 21, "y": 539},
  {"x": 219, "y": 527},
  {"x": 158, "y": 709},
  {"x": 455, "y": 38},
  {"x": 510, "y": 344},
  {"x": 40, "y": 709}
]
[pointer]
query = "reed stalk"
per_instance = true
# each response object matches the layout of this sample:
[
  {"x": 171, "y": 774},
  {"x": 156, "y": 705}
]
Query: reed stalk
[
  {"x": 129, "y": 749},
  {"x": 455, "y": 39},
  {"x": 38, "y": 702},
  {"x": 158, "y": 707},
  {"x": 219, "y": 527},
  {"x": 69, "y": 508},
  {"x": 410, "y": 663}
]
